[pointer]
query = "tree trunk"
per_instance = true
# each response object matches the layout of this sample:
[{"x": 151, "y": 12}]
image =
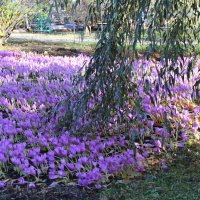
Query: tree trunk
[
  {"x": 88, "y": 30},
  {"x": 2, "y": 41}
]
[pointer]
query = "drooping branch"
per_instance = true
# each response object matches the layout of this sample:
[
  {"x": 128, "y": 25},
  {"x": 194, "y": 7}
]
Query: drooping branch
[{"x": 168, "y": 28}]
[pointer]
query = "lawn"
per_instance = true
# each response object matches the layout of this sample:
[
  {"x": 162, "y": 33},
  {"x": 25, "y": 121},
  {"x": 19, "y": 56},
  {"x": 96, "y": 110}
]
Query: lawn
[
  {"x": 181, "y": 180},
  {"x": 61, "y": 44}
]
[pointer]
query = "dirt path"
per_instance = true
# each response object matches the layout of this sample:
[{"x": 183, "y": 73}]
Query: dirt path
[{"x": 52, "y": 38}]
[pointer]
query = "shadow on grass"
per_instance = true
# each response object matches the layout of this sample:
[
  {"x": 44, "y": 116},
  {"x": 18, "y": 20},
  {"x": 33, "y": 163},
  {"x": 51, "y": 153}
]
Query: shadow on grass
[
  {"x": 180, "y": 181},
  {"x": 56, "y": 49}
]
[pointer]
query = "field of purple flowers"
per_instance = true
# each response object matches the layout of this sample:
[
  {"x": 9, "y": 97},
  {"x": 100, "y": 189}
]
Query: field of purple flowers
[{"x": 32, "y": 150}]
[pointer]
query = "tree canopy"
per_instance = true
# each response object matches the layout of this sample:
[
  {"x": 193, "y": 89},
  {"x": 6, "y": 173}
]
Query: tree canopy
[{"x": 12, "y": 13}]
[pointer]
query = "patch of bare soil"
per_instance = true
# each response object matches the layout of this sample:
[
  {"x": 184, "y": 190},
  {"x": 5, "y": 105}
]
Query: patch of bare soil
[
  {"x": 52, "y": 50},
  {"x": 59, "y": 192}
]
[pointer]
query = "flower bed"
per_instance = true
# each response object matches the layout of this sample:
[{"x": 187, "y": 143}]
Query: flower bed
[{"x": 32, "y": 149}]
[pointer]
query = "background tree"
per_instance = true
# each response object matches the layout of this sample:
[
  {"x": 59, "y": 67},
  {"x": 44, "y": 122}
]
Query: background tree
[{"x": 12, "y": 13}]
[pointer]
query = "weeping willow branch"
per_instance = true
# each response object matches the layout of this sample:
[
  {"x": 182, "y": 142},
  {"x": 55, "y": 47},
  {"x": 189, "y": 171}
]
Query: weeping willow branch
[{"x": 167, "y": 27}]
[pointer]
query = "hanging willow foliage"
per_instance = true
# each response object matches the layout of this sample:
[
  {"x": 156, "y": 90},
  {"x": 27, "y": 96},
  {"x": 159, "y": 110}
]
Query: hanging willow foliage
[{"x": 169, "y": 27}]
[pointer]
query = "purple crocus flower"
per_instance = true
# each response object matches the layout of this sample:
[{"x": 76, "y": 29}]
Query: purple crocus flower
[
  {"x": 31, "y": 185},
  {"x": 2, "y": 184}
]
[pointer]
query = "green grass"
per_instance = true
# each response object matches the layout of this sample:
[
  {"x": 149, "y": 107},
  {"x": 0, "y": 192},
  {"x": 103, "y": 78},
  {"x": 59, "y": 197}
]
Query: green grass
[
  {"x": 31, "y": 42},
  {"x": 181, "y": 181}
]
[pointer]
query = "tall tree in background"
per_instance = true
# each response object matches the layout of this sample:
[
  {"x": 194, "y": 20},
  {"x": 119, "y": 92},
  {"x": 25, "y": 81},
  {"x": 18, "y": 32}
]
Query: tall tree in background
[{"x": 12, "y": 13}]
